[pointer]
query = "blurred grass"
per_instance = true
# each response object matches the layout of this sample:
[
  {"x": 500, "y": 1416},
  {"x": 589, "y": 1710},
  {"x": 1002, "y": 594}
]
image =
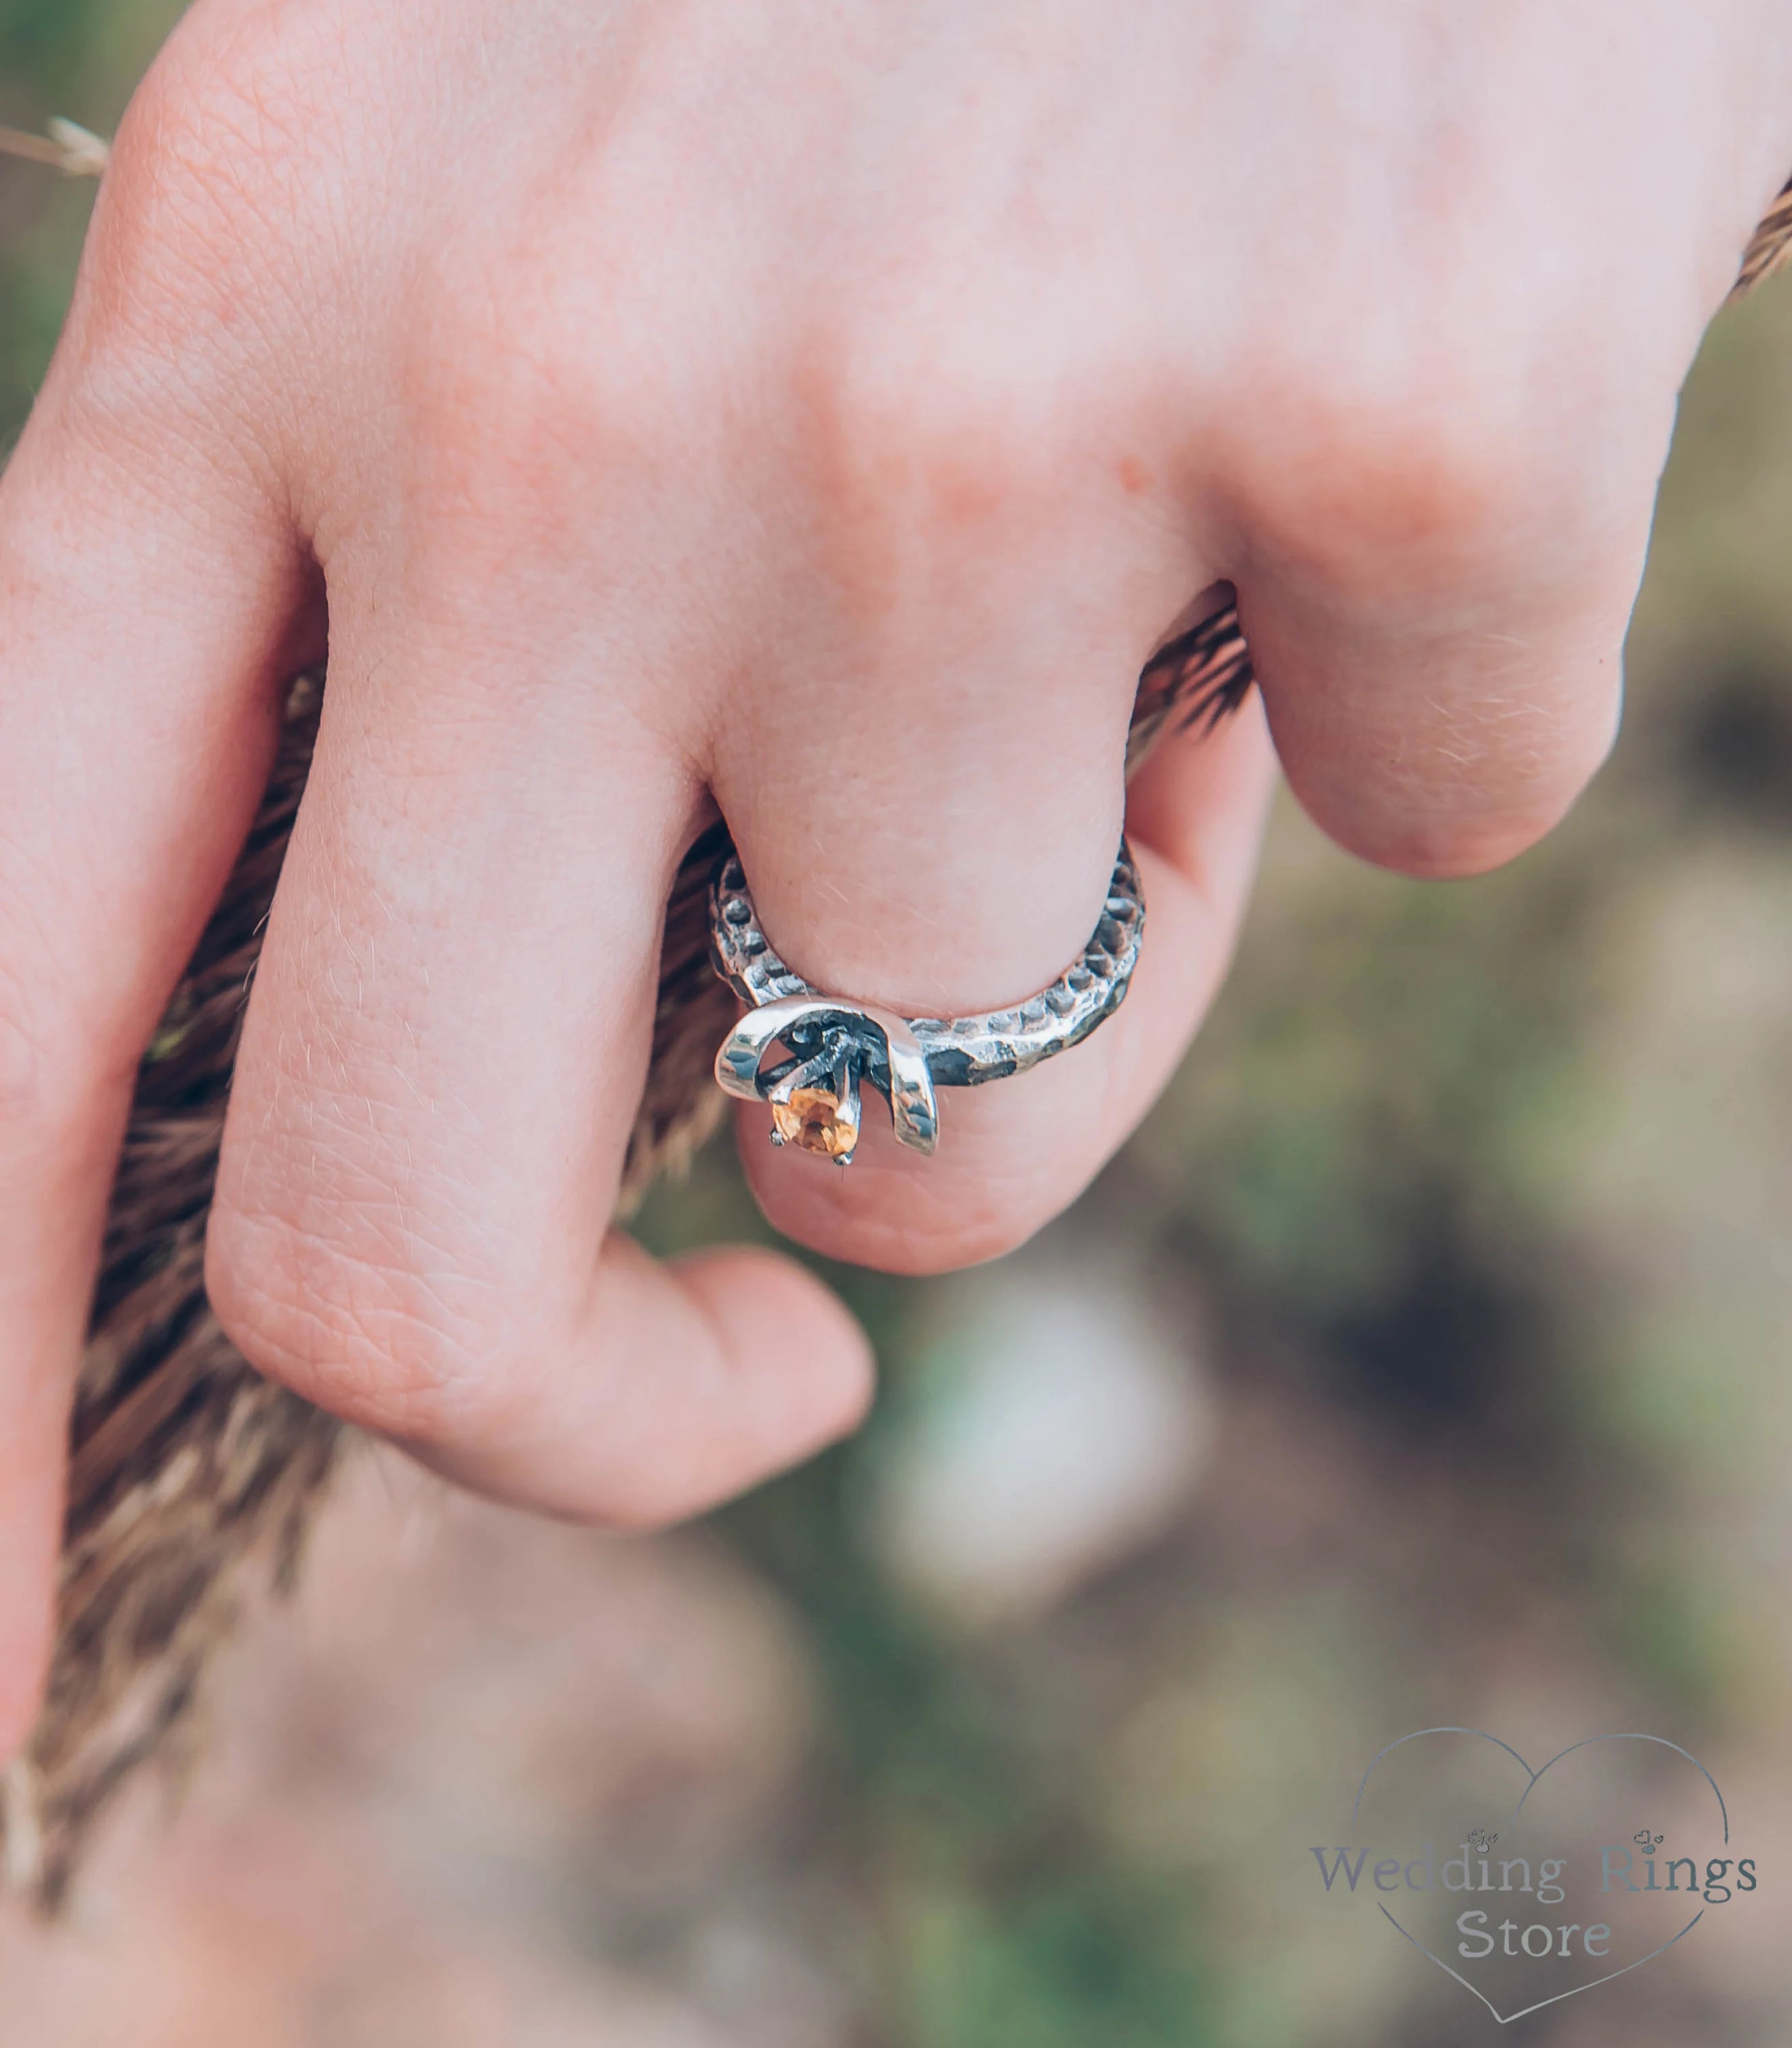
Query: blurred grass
[{"x": 1487, "y": 1186}]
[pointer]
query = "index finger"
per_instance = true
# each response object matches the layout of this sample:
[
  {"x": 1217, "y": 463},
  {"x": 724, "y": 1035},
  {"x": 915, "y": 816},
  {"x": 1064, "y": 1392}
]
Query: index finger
[{"x": 135, "y": 645}]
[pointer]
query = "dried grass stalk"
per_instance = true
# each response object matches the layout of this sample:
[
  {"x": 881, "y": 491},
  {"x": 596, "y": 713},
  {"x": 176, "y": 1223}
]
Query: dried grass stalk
[{"x": 194, "y": 1480}]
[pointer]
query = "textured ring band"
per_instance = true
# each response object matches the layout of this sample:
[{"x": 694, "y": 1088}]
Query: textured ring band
[{"x": 833, "y": 1044}]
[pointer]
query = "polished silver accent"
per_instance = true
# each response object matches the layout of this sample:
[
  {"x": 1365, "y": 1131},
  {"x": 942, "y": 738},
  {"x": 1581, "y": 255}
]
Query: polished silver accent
[
  {"x": 855, "y": 1039},
  {"x": 832, "y": 1040}
]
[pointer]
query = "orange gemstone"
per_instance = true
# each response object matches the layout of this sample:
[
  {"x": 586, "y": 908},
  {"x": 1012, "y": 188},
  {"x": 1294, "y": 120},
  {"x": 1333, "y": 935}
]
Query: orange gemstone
[{"x": 816, "y": 1120}]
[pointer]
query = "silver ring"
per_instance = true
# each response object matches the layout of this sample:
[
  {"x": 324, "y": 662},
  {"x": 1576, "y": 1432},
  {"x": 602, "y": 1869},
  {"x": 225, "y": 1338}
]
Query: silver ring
[{"x": 832, "y": 1045}]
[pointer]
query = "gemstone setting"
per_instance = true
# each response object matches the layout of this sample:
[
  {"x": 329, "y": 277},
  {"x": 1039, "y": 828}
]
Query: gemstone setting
[{"x": 816, "y": 1120}]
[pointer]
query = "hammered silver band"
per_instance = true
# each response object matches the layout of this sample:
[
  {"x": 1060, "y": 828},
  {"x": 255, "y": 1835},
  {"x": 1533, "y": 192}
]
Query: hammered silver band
[{"x": 833, "y": 1043}]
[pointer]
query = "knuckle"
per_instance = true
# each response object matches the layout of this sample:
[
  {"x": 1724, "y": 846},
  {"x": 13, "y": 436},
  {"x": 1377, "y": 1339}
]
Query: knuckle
[
  {"x": 1403, "y": 434},
  {"x": 1360, "y": 492},
  {"x": 353, "y": 1319},
  {"x": 165, "y": 246},
  {"x": 906, "y": 431},
  {"x": 527, "y": 427},
  {"x": 201, "y": 213}
]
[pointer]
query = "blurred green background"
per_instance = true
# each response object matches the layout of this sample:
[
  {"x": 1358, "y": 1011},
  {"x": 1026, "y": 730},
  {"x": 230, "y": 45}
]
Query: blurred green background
[{"x": 1422, "y": 1361}]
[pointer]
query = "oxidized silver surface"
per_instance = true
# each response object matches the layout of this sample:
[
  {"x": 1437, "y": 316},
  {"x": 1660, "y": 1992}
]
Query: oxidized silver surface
[{"x": 836, "y": 1043}]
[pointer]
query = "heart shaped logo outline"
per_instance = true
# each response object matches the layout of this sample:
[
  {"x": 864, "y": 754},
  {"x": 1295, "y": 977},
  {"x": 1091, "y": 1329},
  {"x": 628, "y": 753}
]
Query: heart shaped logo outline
[{"x": 1506, "y": 2018}]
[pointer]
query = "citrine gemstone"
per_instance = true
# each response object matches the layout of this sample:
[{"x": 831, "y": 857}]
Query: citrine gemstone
[{"x": 816, "y": 1120}]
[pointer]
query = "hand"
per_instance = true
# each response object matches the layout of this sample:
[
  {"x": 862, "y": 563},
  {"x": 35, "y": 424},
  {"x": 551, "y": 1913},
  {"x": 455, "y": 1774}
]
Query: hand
[{"x": 828, "y": 408}]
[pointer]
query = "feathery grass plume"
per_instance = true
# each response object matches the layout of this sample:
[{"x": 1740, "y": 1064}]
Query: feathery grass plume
[{"x": 65, "y": 145}]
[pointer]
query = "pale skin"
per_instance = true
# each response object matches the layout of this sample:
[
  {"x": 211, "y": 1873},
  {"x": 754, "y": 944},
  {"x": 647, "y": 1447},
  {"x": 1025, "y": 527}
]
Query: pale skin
[{"x": 822, "y": 409}]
